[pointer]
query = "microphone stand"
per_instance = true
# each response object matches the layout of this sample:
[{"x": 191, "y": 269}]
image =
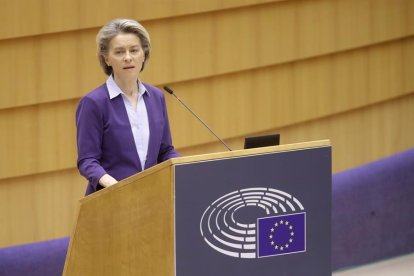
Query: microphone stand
[{"x": 172, "y": 93}]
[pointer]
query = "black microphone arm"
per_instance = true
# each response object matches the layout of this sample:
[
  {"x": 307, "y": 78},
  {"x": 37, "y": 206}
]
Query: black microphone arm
[{"x": 172, "y": 93}]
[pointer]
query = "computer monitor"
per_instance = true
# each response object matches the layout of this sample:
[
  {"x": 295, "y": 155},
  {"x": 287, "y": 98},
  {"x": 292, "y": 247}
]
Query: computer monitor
[{"x": 262, "y": 141}]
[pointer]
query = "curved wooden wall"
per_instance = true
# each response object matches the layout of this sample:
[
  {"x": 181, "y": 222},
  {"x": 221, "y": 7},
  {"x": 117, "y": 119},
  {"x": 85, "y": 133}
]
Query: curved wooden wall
[{"x": 309, "y": 69}]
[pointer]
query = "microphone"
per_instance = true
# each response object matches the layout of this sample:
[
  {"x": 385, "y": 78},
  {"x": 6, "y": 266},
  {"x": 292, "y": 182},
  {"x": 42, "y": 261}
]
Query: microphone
[{"x": 189, "y": 109}]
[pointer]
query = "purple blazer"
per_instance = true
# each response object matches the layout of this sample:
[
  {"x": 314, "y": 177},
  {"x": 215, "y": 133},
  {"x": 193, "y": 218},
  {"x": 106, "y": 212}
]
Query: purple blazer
[{"x": 105, "y": 140}]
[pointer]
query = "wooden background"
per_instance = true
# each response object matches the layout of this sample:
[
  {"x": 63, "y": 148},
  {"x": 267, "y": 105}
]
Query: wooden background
[{"x": 309, "y": 69}]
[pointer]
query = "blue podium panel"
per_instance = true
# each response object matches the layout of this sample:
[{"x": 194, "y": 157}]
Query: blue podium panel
[{"x": 266, "y": 214}]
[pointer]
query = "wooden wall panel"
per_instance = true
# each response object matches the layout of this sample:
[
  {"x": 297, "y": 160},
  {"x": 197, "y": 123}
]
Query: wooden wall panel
[
  {"x": 309, "y": 69},
  {"x": 362, "y": 135},
  {"x": 33, "y": 17},
  {"x": 39, "y": 207},
  {"x": 64, "y": 66},
  {"x": 263, "y": 35},
  {"x": 258, "y": 99},
  {"x": 48, "y": 68},
  {"x": 38, "y": 139},
  {"x": 358, "y": 136},
  {"x": 42, "y": 206}
]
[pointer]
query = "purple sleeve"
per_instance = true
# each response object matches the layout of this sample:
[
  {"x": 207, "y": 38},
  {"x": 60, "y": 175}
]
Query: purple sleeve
[
  {"x": 167, "y": 150},
  {"x": 89, "y": 125}
]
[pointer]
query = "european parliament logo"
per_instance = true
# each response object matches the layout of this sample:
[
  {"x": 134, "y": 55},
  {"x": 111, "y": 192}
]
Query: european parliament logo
[{"x": 255, "y": 223}]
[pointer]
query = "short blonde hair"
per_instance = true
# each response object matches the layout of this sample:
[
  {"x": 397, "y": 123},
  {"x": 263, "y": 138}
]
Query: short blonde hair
[{"x": 121, "y": 26}]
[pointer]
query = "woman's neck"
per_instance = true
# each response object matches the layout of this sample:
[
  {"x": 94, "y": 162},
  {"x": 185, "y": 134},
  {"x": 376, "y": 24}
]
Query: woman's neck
[{"x": 128, "y": 86}]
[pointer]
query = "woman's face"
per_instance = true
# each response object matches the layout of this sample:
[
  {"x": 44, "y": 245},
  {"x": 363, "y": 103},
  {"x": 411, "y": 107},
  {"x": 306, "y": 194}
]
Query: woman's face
[{"x": 125, "y": 55}]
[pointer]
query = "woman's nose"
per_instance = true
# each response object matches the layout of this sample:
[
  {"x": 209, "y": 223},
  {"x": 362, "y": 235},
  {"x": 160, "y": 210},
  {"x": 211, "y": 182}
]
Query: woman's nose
[{"x": 127, "y": 56}]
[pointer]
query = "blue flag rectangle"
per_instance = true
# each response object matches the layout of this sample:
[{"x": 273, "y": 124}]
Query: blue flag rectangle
[{"x": 284, "y": 234}]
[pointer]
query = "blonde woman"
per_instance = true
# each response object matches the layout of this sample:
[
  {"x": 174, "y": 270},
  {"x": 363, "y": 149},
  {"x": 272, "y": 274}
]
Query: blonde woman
[{"x": 122, "y": 126}]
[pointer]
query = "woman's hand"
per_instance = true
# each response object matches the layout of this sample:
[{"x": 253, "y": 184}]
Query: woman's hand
[{"x": 106, "y": 180}]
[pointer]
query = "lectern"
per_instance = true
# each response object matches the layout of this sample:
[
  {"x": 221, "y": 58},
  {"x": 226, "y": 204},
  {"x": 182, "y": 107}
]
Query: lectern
[{"x": 264, "y": 211}]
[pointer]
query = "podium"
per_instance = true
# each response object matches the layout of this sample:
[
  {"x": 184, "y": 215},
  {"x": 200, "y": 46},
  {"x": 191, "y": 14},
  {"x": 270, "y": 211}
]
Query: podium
[{"x": 264, "y": 211}]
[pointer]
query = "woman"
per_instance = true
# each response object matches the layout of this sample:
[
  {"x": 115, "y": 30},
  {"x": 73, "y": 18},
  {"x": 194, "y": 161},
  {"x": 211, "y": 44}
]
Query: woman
[{"x": 122, "y": 126}]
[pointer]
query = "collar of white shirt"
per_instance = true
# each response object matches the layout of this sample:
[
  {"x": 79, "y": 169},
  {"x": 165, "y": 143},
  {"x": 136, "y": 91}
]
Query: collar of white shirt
[{"x": 114, "y": 89}]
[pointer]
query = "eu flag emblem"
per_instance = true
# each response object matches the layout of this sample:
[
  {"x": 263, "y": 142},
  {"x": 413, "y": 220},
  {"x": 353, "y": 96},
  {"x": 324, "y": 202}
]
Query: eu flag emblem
[{"x": 284, "y": 234}]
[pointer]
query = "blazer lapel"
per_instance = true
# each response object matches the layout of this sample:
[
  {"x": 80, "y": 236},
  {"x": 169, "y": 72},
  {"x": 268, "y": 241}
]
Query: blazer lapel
[{"x": 151, "y": 111}]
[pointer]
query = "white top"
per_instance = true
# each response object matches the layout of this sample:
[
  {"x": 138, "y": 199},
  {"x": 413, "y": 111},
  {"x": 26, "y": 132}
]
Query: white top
[{"x": 138, "y": 118}]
